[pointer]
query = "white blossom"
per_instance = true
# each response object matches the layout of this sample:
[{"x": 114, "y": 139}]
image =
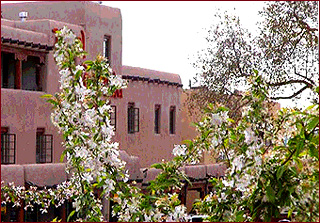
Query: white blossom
[
  {"x": 249, "y": 136},
  {"x": 215, "y": 141},
  {"x": 179, "y": 150}
]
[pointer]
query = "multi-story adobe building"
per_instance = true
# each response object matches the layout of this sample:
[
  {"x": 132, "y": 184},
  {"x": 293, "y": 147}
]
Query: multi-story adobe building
[{"x": 146, "y": 112}]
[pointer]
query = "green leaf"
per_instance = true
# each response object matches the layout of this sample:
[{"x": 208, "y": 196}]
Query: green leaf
[
  {"x": 187, "y": 141},
  {"x": 239, "y": 216},
  {"x": 230, "y": 120},
  {"x": 157, "y": 166},
  {"x": 46, "y": 96},
  {"x": 313, "y": 123},
  {"x": 270, "y": 194},
  {"x": 71, "y": 214},
  {"x": 314, "y": 151},
  {"x": 88, "y": 62},
  {"x": 63, "y": 155},
  {"x": 54, "y": 102},
  {"x": 280, "y": 171}
]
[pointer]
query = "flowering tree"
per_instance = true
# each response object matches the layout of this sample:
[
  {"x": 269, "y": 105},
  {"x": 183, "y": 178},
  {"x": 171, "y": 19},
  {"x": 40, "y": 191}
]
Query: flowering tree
[
  {"x": 82, "y": 114},
  {"x": 273, "y": 161}
]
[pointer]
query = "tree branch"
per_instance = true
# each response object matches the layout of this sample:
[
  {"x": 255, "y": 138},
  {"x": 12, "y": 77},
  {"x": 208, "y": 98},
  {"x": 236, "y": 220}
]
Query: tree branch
[
  {"x": 292, "y": 96},
  {"x": 306, "y": 25},
  {"x": 308, "y": 85},
  {"x": 311, "y": 81}
]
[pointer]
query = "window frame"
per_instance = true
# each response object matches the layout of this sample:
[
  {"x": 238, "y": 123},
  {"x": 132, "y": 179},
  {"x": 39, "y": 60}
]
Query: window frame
[
  {"x": 133, "y": 117},
  {"x": 44, "y": 143},
  {"x": 6, "y": 148},
  {"x": 107, "y": 47}
]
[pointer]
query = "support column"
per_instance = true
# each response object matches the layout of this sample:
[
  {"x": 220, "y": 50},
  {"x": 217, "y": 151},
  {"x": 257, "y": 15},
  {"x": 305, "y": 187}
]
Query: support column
[
  {"x": 18, "y": 77},
  {"x": 20, "y": 217},
  {"x": 64, "y": 212}
]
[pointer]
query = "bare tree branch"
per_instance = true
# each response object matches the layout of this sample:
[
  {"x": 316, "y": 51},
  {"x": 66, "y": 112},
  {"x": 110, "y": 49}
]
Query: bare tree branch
[
  {"x": 283, "y": 83},
  {"x": 304, "y": 24},
  {"x": 290, "y": 97},
  {"x": 305, "y": 77}
]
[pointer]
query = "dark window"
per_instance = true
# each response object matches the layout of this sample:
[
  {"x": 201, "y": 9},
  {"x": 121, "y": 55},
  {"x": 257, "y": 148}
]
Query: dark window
[
  {"x": 107, "y": 47},
  {"x": 31, "y": 74},
  {"x": 172, "y": 120},
  {"x": 157, "y": 113},
  {"x": 16, "y": 74},
  {"x": 133, "y": 118},
  {"x": 9, "y": 213},
  {"x": 8, "y": 146},
  {"x": 43, "y": 147},
  {"x": 8, "y": 70},
  {"x": 35, "y": 215},
  {"x": 113, "y": 116}
]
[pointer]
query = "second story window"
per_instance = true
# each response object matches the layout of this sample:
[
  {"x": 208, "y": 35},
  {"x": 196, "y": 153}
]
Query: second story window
[
  {"x": 172, "y": 120},
  {"x": 8, "y": 146},
  {"x": 133, "y": 118},
  {"x": 25, "y": 74},
  {"x": 113, "y": 116},
  {"x": 157, "y": 114},
  {"x": 8, "y": 70},
  {"x": 107, "y": 47},
  {"x": 31, "y": 74},
  {"x": 43, "y": 146}
]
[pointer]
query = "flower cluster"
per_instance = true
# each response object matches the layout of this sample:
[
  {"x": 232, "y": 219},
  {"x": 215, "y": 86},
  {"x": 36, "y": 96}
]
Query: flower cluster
[{"x": 44, "y": 197}]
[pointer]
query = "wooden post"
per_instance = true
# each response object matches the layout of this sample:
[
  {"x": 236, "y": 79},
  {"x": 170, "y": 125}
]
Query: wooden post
[
  {"x": 20, "y": 217},
  {"x": 64, "y": 212},
  {"x": 18, "y": 77}
]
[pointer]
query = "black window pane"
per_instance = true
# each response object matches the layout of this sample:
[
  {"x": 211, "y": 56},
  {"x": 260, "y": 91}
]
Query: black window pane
[
  {"x": 107, "y": 47},
  {"x": 133, "y": 118},
  {"x": 172, "y": 119},
  {"x": 136, "y": 119},
  {"x": 8, "y": 70},
  {"x": 44, "y": 148},
  {"x": 157, "y": 119}
]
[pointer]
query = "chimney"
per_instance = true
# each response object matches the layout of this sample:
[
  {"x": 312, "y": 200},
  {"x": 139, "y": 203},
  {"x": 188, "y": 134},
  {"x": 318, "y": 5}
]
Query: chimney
[{"x": 23, "y": 16}]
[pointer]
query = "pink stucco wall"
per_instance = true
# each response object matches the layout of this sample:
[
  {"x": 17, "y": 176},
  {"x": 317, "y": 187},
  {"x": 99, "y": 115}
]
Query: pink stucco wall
[{"x": 150, "y": 147}]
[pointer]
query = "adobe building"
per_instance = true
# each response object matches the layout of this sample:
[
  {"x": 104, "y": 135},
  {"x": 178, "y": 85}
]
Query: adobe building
[{"x": 146, "y": 115}]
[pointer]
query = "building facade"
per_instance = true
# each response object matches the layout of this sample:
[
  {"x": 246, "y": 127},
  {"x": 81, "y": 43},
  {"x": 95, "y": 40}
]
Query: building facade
[
  {"x": 146, "y": 114},
  {"x": 28, "y": 71}
]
